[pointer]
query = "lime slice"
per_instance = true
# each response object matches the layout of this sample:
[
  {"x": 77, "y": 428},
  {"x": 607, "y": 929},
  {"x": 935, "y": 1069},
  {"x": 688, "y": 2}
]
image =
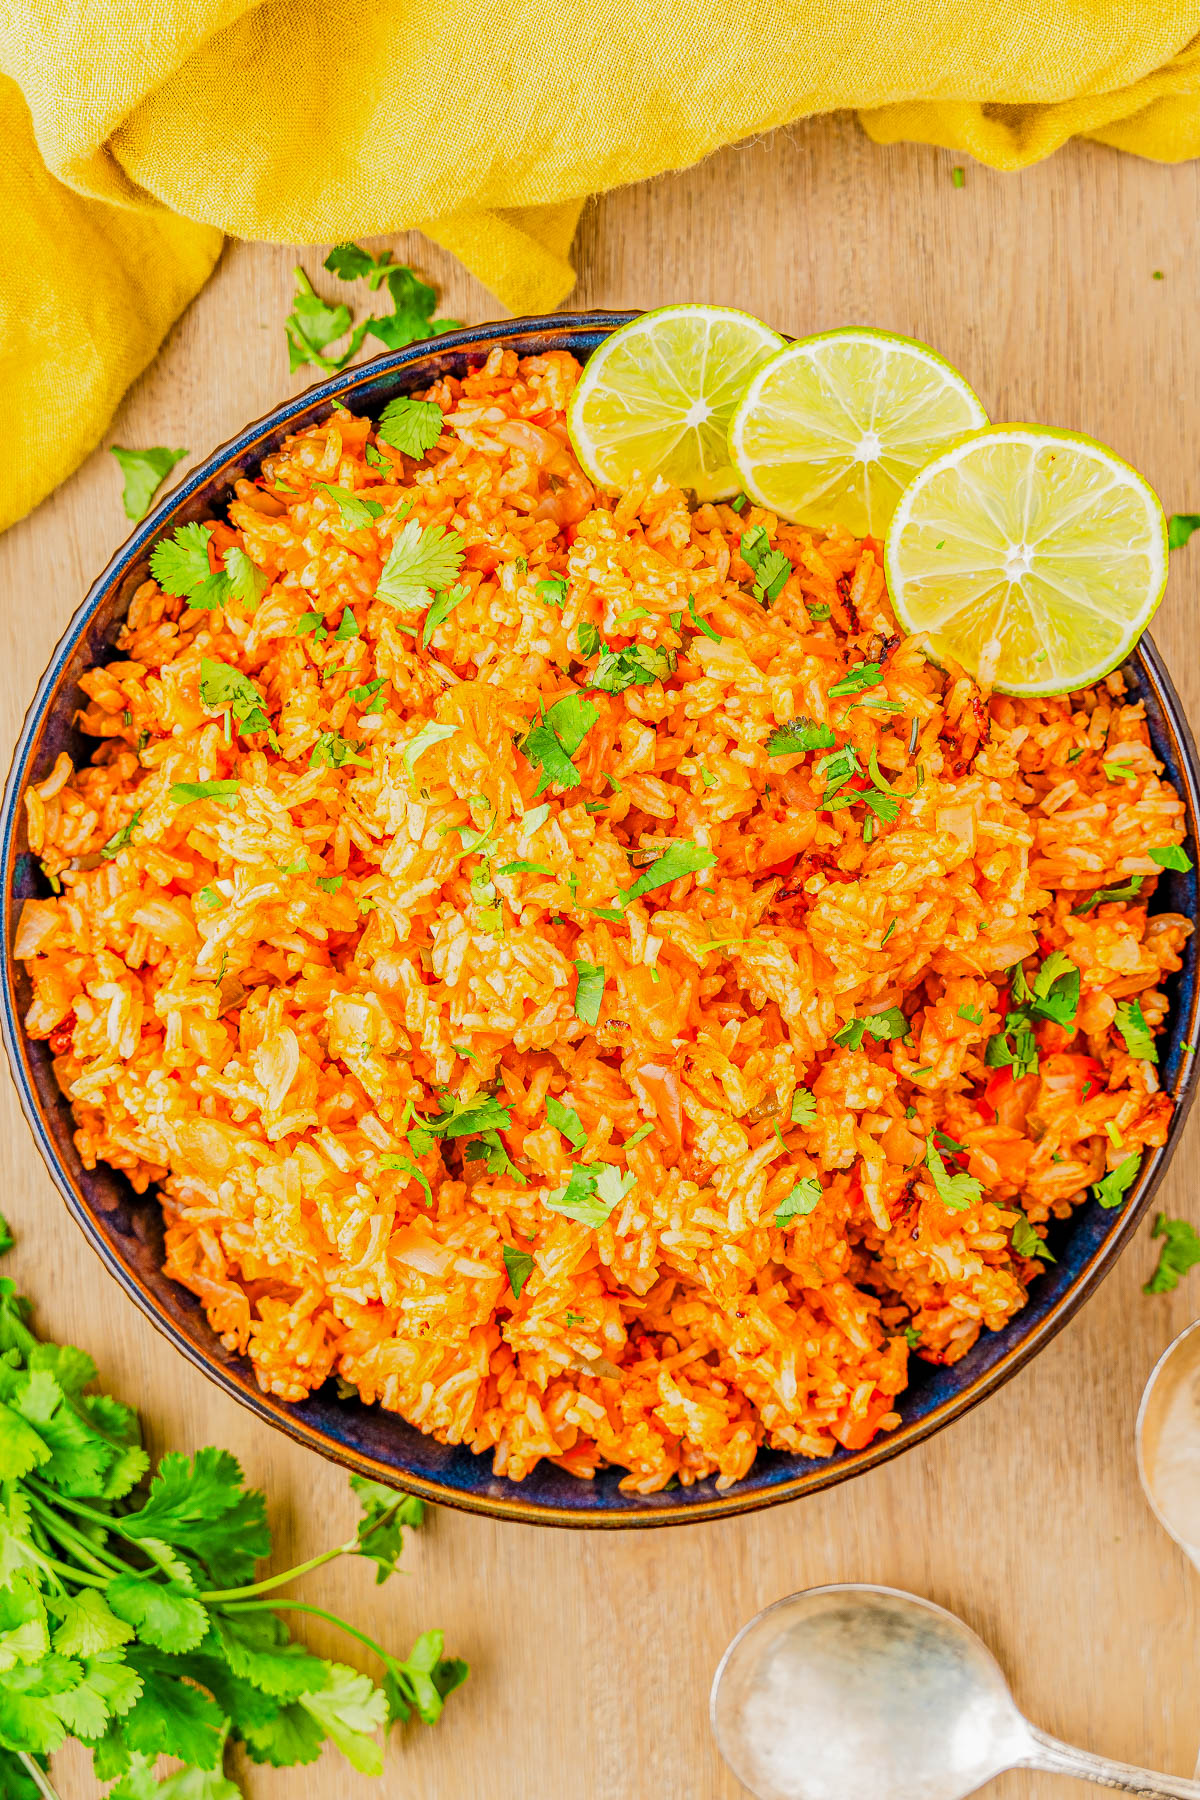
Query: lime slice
[
  {"x": 1034, "y": 558},
  {"x": 656, "y": 398},
  {"x": 834, "y": 428}
]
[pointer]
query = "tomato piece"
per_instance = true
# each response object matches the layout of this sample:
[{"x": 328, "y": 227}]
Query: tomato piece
[
  {"x": 662, "y": 1088},
  {"x": 856, "y": 1434},
  {"x": 997, "y": 1081},
  {"x": 779, "y": 868}
]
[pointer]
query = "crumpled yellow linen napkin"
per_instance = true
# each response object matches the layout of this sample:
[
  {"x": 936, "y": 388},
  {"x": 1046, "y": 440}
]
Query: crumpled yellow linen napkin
[{"x": 138, "y": 132}]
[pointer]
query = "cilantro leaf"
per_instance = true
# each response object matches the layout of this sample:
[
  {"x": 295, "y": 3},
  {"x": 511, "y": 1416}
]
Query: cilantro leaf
[
  {"x": 802, "y": 1200},
  {"x": 551, "y": 591},
  {"x": 221, "y": 685},
  {"x": 413, "y": 426},
  {"x": 183, "y": 793},
  {"x": 488, "y": 1148},
  {"x": 386, "y": 1515},
  {"x": 423, "y": 1680},
  {"x": 567, "y": 1120},
  {"x": 554, "y": 740},
  {"x": 1180, "y": 1252},
  {"x": 1102, "y": 896},
  {"x": 246, "y": 581},
  {"x": 200, "y": 1505},
  {"x": 771, "y": 567},
  {"x": 349, "y": 1708},
  {"x": 956, "y": 1192},
  {"x": 144, "y": 472},
  {"x": 87, "y": 1625},
  {"x": 1171, "y": 856},
  {"x": 856, "y": 680},
  {"x": 443, "y": 605},
  {"x": 589, "y": 991},
  {"x": 463, "y": 1118},
  {"x": 350, "y": 262},
  {"x": 519, "y": 1266},
  {"x": 121, "y": 838},
  {"x": 172, "y": 1717},
  {"x": 356, "y": 513},
  {"x": 333, "y": 751},
  {"x": 180, "y": 565},
  {"x": 161, "y": 1614},
  {"x": 636, "y": 666},
  {"x": 883, "y": 1026},
  {"x": 422, "y": 559},
  {"x": 1112, "y": 1188},
  {"x": 592, "y": 1193},
  {"x": 1026, "y": 1242},
  {"x": 701, "y": 624},
  {"x": 1055, "y": 991},
  {"x": 312, "y": 326},
  {"x": 1180, "y": 527},
  {"x": 587, "y": 637},
  {"x": 804, "y": 1106},
  {"x": 676, "y": 861},
  {"x": 405, "y": 1165},
  {"x": 1131, "y": 1023},
  {"x": 799, "y": 736},
  {"x": 411, "y": 318}
]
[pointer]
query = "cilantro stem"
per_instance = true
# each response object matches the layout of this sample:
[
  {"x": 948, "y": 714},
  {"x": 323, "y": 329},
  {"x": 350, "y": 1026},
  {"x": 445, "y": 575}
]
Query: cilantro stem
[
  {"x": 274, "y": 1581},
  {"x": 37, "y": 1775},
  {"x": 73, "y": 1540},
  {"x": 110, "y": 1524},
  {"x": 317, "y": 1612}
]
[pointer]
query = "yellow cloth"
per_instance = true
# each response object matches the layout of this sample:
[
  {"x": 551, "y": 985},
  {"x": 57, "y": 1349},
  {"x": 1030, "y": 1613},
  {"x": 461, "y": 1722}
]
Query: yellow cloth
[{"x": 137, "y": 132}]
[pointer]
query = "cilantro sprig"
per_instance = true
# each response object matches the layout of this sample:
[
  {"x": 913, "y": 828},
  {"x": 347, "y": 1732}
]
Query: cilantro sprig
[
  {"x": 144, "y": 472},
  {"x": 131, "y": 1618},
  {"x": 1180, "y": 1252}
]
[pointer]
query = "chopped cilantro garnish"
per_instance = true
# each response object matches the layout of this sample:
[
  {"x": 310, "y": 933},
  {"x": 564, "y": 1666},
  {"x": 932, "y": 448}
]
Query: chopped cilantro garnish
[
  {"x": 333, "y": 751},
  {"x": 637, "y": 666},
  {"x": 592, "y": 1193},
  {"x": 522, "y": 867},
  {"x": 422, "y": 560},
  {"x": 958, "y": 177},
  {"x": 555, "y": 739},
  {"x": 1118, "y": 769},
  {"x": 378, "y": 461},
  {"x": 312, "y": 326},
  {"x": 443, "y": 605},
  {"x": 1111, "y": 1190},
  {"x": 701, "y": 624},
  {"x": 536, "y": 817},
  {"x": 567, "y": 1120},
  {"x": 956, "y": 1192},
  {"x": 311, "y": 624},
  {"x": 887, "y": 934},
  {"x": 1103, "y": 896},
  {"x": 411, "y": 318},
  {"x": 587, "y": 637},
  {"x": 912, "y": 1337},
  {"x": 1131, "y": 1023},
  {"x": 355, "y": 511},
  {"x": 433, "y": 733},
  {"x": 413, "y": 426},
  {"x": 180, "y": 566},
  {"x": 706, "y": 776},
  {"x": 882, "y": 1026},
  {"x": 552, "y": 591},
  {"x": 144, "y": 472},
  {"x": 639, "y": 1136},
  {"x": 1171, "y": 856},
  {"x": 1180, "y": 1252},
  {"x": 818, "y": 610},
  {"x": 329, "y": 884},
  {"x": 1180, "y": 527},
  {"x": 799, "y": 736},
  {"x": 221, "y": 685},
  {"x": 404, "y": 1165},
  {"x": 802, "y": 1200},
  {"x": 464, "y": 1118},
  {"x": 519, "y": 1266},
  {"x": 676, "y": 861},
  {"x": 972, "y": 1014},
  {"x": 804, "y": 1106},
  {"x": 184, "y": 792},
  {"x": 589, "y": 991},
  {"x": 855, "y": 680},
  {"x": 629, "y": 618},
  {"x": 1026, "y": 1242},
  {"x": 1075, "y": 754},
  {"x": 739, "y": 503},
  {"x": 120, "y": 838},
  {"x": 771, "y": 567}
]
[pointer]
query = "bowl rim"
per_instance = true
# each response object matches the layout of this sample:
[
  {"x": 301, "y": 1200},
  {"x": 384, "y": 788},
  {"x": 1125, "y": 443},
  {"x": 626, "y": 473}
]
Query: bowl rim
[{"x": 653, "y": 1511}]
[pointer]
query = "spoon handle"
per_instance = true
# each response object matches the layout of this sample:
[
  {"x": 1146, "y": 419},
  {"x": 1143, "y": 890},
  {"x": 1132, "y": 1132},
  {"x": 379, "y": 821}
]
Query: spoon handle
[{"x": 1064, "y": 1759}]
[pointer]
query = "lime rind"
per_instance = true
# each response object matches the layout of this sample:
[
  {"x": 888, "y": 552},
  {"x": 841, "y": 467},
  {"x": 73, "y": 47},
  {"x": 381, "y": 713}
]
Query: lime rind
[
  {"x": 656, "y": 397},
  {"x": 1034, "y": 558},
  {"x": 831, "y": 430}
]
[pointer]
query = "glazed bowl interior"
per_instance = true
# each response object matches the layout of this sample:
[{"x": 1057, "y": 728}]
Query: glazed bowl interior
[{"x": 126, "y": 1229}]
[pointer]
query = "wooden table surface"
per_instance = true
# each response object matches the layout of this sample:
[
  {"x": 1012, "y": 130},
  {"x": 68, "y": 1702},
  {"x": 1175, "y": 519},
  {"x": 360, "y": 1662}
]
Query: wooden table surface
[{"x": 592, "y": 1653}]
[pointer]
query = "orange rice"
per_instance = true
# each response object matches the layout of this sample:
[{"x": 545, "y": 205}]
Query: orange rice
[{"x": 251, "y": 1003}]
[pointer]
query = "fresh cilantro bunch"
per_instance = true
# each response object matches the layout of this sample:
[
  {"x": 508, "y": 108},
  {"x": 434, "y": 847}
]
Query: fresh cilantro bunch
[{"x": 130, "y": 1616}]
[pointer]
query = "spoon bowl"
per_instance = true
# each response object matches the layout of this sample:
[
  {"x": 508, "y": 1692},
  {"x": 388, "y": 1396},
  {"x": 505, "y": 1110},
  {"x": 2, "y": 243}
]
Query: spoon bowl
[
  {"x": 866, "y": 1693},
  {"x": 1168, "y": 1441}
]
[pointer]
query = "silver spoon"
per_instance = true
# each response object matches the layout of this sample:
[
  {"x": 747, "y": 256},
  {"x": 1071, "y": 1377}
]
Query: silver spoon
[
  {"x": 865, "y": 1693},
  {"x": 1168, "y": 1441}
]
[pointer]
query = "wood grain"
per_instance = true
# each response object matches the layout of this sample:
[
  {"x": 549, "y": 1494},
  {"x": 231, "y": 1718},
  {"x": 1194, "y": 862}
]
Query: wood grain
[{"x": 592, "y": 1654}]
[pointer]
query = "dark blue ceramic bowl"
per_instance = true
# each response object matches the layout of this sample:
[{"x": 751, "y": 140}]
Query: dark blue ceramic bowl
[{"x": 126, "y": 1229}]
